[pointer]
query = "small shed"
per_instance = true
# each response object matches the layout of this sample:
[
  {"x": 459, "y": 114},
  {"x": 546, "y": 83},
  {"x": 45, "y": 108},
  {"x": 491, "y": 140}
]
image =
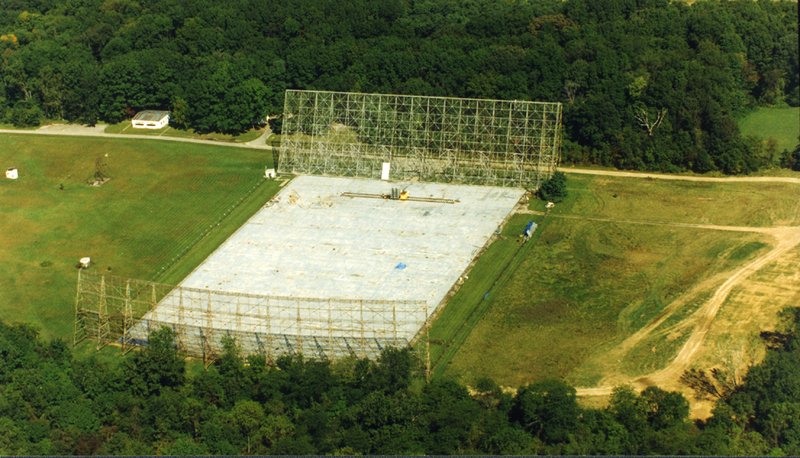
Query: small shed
[
  {"x": 12, "y": 173},
  {"x": 150, "y": 119}
]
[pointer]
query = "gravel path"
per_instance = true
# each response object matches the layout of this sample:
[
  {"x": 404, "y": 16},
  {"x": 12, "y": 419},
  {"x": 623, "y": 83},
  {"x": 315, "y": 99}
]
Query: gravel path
[
  {"x": 99, "y": 131},
  {"x": 662, "y": 176}
]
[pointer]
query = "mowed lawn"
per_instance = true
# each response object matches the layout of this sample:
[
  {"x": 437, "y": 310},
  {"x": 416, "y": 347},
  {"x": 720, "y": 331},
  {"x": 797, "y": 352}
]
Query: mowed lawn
[
  {"x": 585, "y": 284},
  {"x": 472, "y": 301},
  {"x": 166, "y": 207},
  {"x": 692, "y": 202},
  {"x": 781, "y": 124}
]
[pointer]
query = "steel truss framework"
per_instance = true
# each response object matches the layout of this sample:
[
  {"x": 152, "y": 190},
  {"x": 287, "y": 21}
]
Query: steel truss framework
[
  {"x": 115, "y": 310},
  {"x": 439, "y": 139}
]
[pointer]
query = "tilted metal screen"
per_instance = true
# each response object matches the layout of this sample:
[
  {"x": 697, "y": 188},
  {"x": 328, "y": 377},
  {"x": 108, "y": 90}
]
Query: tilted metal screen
[
  {"x": 439, "y": 139},
  {"x": 111, "y": 309}
]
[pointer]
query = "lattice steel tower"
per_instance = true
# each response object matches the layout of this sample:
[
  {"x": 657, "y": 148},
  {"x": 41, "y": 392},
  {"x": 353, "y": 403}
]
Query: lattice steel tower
[{"x": 440, "y": 139}]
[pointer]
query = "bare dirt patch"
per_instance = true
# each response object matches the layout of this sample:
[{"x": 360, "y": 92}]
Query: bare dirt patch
[{"x": 779, "y": 283}]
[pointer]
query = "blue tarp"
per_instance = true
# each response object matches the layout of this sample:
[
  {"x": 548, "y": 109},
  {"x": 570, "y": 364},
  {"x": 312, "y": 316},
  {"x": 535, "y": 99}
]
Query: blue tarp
[
  {"x": 400, "y": 266},
  {"x": 529, "y": 229}
]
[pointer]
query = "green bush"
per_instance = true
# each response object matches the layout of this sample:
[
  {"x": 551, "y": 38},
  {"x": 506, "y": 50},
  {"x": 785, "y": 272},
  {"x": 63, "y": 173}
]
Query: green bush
[
  {"x": 554, "y": 189},
  {"x": 26, "y": 114}
]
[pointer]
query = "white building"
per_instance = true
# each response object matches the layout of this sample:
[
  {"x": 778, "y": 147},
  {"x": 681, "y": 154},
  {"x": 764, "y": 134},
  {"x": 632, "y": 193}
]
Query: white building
[
  {"x": 12, "y": 173},
  {"x": 150, "y": 119}
]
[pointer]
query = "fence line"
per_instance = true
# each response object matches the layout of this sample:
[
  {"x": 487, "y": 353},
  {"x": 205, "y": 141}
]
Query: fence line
[{"x": 121, "y": 311}]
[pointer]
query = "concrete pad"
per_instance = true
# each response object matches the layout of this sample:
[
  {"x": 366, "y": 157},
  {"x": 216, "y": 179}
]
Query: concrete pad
[{"x": 371, "y": 267}]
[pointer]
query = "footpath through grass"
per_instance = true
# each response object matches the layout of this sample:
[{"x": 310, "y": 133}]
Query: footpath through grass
[
  {"x": 585, "y": 285},
  {"x": 165, "y": 208}
]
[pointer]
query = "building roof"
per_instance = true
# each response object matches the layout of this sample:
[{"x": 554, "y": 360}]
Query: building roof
[{"x": 150, "y": 115}]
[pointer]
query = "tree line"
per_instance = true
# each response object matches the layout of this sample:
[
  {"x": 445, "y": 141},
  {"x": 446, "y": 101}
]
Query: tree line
[
  {"x": 646, "y": 84},
  {"x": 52, "y": 402}
]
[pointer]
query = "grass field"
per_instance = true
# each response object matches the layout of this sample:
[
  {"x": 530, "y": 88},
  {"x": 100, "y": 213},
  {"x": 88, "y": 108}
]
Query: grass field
[
  {"x": 590, "y": 276},
  {"x": 165, "y": 208},
  {"x": 471, "y": 302},
  {"x": 585, "y": 285},
  {"x": 124, "y": 127},
  {"x": 727, "y": 204},
  {"x": 781, "y": 124}
]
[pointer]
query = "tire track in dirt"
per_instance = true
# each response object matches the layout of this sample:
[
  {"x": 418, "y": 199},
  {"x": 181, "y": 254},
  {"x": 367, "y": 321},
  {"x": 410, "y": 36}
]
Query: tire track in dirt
[
  {"x": 72, "y": 130},
  {"x": 786, "y": 238}
]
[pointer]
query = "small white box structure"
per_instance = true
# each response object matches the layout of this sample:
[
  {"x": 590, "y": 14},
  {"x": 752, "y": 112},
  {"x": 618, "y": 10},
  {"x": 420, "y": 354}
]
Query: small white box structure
[
  {"x": 269, "y": 173},
  {"x": 12, "y": 173},
  {"x": 84, "y": 262},
  {"x": 150, "y": 119},
  {"x": 385, "y": 171}
]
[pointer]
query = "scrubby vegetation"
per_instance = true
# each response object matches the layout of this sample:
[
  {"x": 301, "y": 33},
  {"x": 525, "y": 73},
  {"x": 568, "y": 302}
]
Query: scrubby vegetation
[
  {"x": 53, "y": 403},
  {"x": 555, "y": 188}
]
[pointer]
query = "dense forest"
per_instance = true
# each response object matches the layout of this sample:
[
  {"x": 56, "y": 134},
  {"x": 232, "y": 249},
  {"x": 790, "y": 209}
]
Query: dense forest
[
  {"x": 54, "y": 403},
  {"x": 646, "y": 84}
]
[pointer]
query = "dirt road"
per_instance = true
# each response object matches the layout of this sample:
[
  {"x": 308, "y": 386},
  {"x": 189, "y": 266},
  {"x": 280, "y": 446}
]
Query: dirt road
[
  {"x": 714, "y": 227},
  {"x": 99, "y": 131},
  {"x": 260, "y": 143},
  {"x": 661, "y": 176},
  {"x": 786, "y": 239}
]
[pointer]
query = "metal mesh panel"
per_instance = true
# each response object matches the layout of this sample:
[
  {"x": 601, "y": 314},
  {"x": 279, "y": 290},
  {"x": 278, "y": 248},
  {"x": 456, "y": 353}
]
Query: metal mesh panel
[
  {"x": 111, "y": 309},
  {"x": 439, "y": 139}
]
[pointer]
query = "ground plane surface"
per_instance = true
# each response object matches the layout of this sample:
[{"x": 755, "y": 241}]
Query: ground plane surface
[{"x": 316, "y": 263}]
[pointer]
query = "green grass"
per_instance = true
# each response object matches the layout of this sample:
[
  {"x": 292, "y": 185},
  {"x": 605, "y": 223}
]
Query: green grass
[
  {"x": 166, "y": 207},
  {"x": 124, "y": 127},
  {"x": 781, "y": 124},
  {"x": 274, "y": 140},
  {"x": 655, "y": 352},
  {"x": 474, "y": 298},
  {"x": 746, "y": 251},
  {"x": 660, "y": 346},
  {"x": 727, "y": 204},
  {"x": 586, "y": 285},
  {"x": 584, "y": 289}
]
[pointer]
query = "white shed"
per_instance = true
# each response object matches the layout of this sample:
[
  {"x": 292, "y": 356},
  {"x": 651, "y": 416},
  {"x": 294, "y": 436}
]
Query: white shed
[
  {"x": 150, "y": 119},
  {"x": 12, "y": 173}
]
